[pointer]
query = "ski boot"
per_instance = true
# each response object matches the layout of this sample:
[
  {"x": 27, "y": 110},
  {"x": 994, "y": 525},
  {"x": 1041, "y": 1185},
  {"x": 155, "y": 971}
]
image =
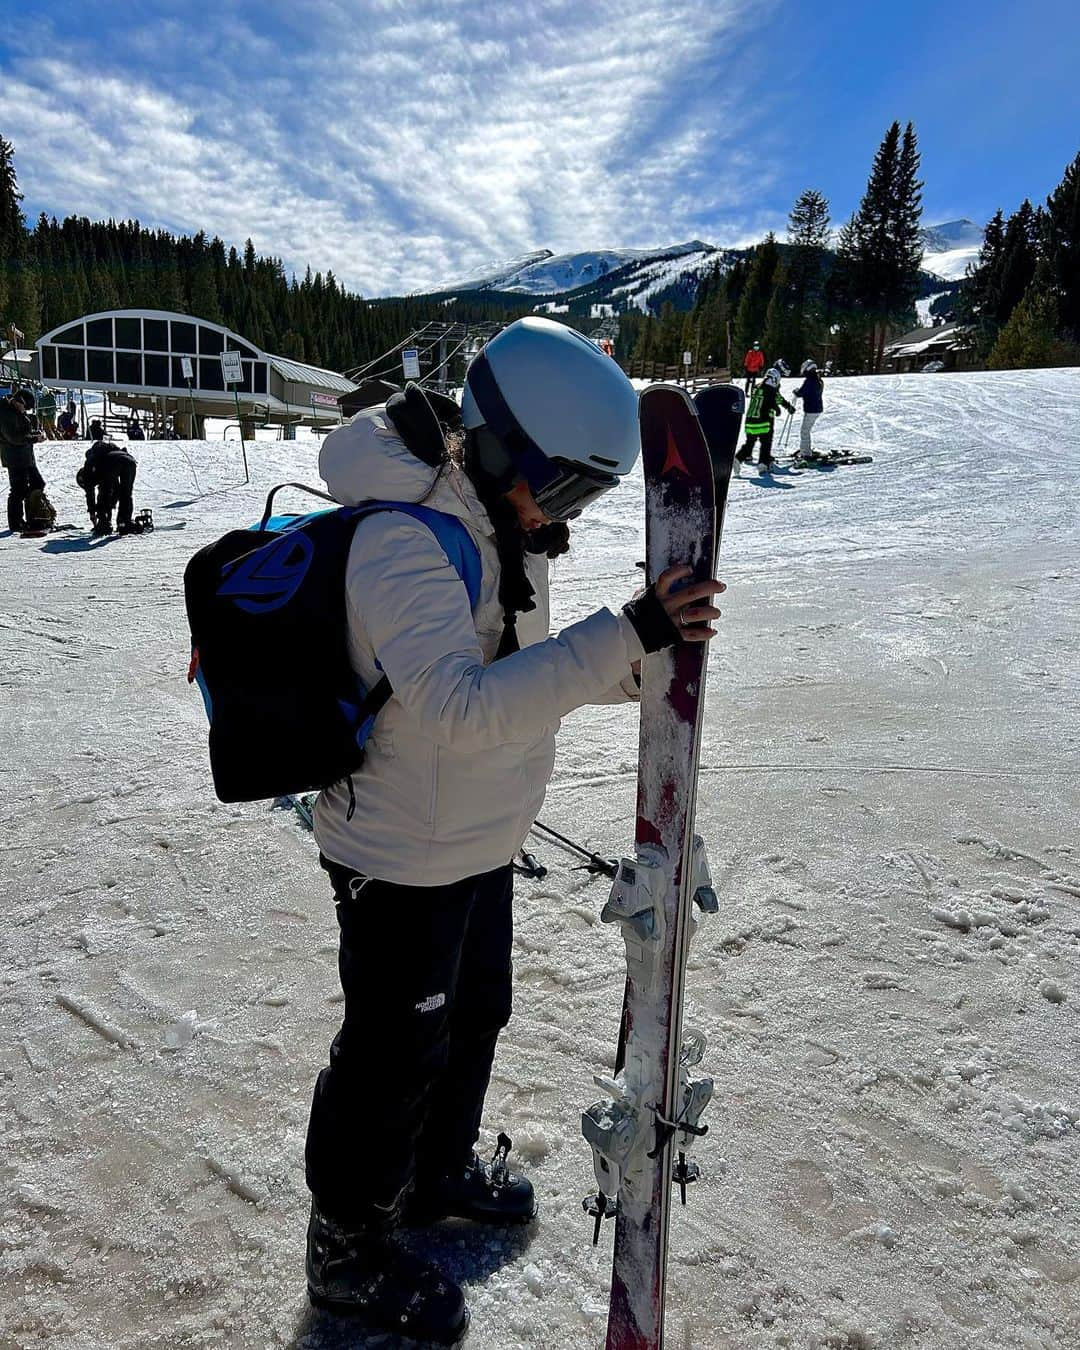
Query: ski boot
[
  {"x": 101, "y": 528},
  {"x": 365, "y": 1275},
  {"x": 483, "y": 1192},
  {"x": 129, "y": 527},
  {"x": 765, "y": 466}
]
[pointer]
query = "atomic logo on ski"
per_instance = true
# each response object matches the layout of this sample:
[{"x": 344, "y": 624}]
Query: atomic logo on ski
[{"x": 674, "y": 458}]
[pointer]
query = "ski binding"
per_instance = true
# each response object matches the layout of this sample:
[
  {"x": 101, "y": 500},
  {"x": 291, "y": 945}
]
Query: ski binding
[{"x": 622, "y": 1128}]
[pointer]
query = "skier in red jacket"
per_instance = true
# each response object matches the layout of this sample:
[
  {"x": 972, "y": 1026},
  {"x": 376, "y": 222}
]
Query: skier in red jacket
[{"x": 753, "y": 364}]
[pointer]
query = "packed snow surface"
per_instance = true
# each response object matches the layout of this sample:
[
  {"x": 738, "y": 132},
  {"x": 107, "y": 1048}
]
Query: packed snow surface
[{"x": 890, "y": 797}]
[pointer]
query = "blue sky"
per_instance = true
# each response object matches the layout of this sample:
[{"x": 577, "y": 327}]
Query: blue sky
[{"x": 401, "y": 143}]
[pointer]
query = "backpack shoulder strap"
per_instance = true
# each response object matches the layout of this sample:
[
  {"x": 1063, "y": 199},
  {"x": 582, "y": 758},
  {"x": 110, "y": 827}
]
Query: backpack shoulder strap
[
  {"x": 453, "y": 536},
  {"x": 464, "y": 555}
]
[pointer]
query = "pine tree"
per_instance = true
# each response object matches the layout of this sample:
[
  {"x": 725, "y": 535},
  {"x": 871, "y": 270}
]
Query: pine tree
[
  {"x": 881, "y": 247},
  {"x": 754, "y": 303},
  {"x": 1031, "y": 337},
  {"x": 1061, "y": 232},
  {"x": 793, "y": 320}
]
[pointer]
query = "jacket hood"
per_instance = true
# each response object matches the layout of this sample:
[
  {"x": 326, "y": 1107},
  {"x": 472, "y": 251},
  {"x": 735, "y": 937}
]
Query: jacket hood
[{"x": 366, "y": 460}]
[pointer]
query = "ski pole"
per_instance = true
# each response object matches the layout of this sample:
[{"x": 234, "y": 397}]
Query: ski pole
[
  {"x": 526, "y": 865},
  {"x": 785, "y": 435},
  {"x": 607, "y": 866}
]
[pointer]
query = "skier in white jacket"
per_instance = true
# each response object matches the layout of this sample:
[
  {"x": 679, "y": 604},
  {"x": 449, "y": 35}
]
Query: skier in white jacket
[{"x": 418, "y": 844}]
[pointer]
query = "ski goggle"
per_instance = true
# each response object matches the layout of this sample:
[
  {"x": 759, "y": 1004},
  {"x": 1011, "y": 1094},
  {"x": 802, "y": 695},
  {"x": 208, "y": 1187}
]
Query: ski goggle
[
  {"x": 561, "y": 488},
  {"x": 571, "y": 490}
]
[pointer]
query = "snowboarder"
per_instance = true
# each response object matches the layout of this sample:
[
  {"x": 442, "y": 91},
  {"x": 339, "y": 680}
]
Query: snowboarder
[
  {"x": 419, "y": 843},
  {"x": 107, "y": 477},
  {"x": 760, "y": 417},
  {"x": 811, "y": 392},
  {"x": 17, "y": 440},
  {"x": 753, "y": 365}
]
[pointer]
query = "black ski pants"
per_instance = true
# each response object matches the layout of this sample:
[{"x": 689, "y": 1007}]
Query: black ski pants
[
  {"x": 426, "y": 972},
  {"x": 21, "y": 482},
  {"x": 114, "y": 492},
  {"x": 746, "y": 450}
]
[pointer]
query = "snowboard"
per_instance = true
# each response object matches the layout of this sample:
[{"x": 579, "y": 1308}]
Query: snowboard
[{"x": 651, "y": 1113}]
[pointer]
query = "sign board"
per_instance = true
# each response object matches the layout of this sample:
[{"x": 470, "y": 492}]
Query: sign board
[
  {"x": 231, "y": 370},
  {"x": 324, "y": 401},
  {"x": 688, "y": 358},
  {"x": 187, "y": 367},
  {"x": 410, "y": 363}
]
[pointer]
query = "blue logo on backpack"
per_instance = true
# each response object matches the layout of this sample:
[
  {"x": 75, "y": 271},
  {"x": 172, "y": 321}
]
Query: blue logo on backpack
[{"x": 270, "y": 577}]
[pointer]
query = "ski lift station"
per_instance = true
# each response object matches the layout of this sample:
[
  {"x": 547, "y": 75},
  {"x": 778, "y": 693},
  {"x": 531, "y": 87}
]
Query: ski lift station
[{"x": 176, "y": 367}]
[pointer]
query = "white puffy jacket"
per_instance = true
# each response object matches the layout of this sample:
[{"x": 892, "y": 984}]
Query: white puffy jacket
[{"x": 459, "y": 759}]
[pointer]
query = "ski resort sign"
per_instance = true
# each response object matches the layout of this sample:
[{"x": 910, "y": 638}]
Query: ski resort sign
[
  {"x": 410, "y": 363},
  {"x": 324, "y": 401},
  {"x": 232, "y": 371}
]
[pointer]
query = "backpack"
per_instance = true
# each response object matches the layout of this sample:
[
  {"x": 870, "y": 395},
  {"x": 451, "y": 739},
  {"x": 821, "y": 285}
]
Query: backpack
[
  {"x": 269, "y": 635},
  {"x": 40, "y": 512}
]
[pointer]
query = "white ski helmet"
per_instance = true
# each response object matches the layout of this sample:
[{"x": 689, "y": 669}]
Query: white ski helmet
[
  {"x": 782, "y": 366},
  {"x": 544, "y": 404},
  {"x": 807, "y": 367},
  {"x": 771, "y": 379}
]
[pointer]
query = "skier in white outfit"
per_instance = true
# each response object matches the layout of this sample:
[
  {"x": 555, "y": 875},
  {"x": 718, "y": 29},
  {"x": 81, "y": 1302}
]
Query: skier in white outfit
[
  {"x": 811, "y": 392},
  {"x": 419, "y": 843}
]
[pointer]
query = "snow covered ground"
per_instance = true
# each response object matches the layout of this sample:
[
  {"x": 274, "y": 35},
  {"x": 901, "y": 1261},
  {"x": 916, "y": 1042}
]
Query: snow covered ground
[{"x": 891, "y": 989}]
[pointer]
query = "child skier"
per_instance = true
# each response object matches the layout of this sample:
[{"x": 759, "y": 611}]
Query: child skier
[
  {"x": 760, "y": 415},
  {"x": 418, "y": 843},
  {"x": 811, "y": 392}
]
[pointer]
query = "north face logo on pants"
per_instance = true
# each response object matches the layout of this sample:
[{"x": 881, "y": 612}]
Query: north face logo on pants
[{"x": 431, "y": 1004}]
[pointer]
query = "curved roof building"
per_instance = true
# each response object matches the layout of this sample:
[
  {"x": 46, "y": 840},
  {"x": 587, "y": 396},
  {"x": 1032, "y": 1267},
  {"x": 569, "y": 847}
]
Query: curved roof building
[{"x": 141, "y": 356}]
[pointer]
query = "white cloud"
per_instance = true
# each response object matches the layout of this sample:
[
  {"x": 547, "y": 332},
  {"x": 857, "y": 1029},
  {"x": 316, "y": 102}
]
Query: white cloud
[{"x": 398, "y": 143}]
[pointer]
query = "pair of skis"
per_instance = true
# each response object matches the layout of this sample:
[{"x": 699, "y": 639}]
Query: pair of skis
[{"x": 641, "y": 1131}]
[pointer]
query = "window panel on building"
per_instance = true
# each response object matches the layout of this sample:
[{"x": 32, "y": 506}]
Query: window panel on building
[
  {"x": 73, "y": 336},
  {"x": 128, "y": 368},
  {"x": 211, "y": 342},
  {"x": 99, "y": 333},
  {"x": 99, "y": 367},
  {"x": 156, "y": 335},
  {"x": 259, "y": 377},
  {"x": 210, "y": 376},
  {"x": 156, "y": 370},
  {"x": 72, "y": 363},
  {"x": 184, "y": 338},
  {"x": 129, "y": 333},
  {"x": 48, "y": 363}
]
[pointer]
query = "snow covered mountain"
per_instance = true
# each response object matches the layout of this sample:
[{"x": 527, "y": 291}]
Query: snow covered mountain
[
  {"x": 547, "y": 273},
  {"x": 951, "y": 247}
]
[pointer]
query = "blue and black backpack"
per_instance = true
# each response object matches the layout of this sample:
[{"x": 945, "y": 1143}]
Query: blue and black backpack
[{"x": 269, "y": 638}]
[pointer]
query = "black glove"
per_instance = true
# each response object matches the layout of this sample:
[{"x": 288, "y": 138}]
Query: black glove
[{"x": 651, "y": 621}]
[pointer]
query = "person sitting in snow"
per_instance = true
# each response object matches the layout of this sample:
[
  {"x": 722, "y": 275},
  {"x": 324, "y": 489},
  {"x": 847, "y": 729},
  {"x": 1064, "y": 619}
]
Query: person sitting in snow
[
  {"x": 67, "y": 423},
  {"x": 760, "y": 417},
  {"x": 811, "y": 391},
  {"x": 419, "y": 842},
  {"x": 107, "y": 477}
]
